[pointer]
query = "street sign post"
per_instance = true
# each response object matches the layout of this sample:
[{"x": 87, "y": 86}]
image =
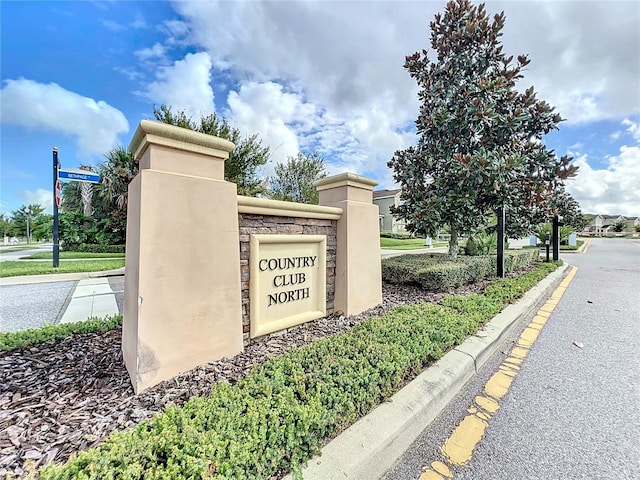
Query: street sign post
[
  {"x": 84, "y": 176},
  {"x": 56, "y": 204},
  {"x": 58, "y": 193},
  {"x": 78, "y": 175}
]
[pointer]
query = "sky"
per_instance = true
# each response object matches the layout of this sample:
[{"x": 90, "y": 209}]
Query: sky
[{"x": 324, "y": 76}]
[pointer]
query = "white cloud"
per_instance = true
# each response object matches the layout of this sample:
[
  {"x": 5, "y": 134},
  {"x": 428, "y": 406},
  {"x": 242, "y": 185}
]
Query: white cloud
[
  {"x": 176, "y": 31},
  {"x": 345, "y": 59},
  {"x": 633, "y": 128},
  {"x": 277, "y": 116},
  {"x": 586, "y": 62},
  {"x": 41, "y": 197},
  {"x": 158, "y": 51},
  {"x": 184, "y": 85},
  {"x": 289, "y": 124},
  {"x": 611, "y": 190},
  {"x": 138, "y": 23},
  {"x": 94, "y": 124},
  {"x": 346, "y": 54}
]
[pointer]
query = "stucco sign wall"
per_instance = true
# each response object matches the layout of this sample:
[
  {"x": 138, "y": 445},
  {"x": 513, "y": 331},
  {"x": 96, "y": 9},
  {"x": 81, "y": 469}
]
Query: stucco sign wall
[{"x": 288, "y": 281}]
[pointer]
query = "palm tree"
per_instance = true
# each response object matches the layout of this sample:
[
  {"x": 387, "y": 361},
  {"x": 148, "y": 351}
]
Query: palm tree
[
  {"x": 86, "y": 192},
  {"x": 116, "y": 172}
]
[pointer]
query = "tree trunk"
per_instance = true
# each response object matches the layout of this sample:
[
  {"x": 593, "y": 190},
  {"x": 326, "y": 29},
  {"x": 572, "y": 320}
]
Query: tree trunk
[{"x": 453, "y": 244}]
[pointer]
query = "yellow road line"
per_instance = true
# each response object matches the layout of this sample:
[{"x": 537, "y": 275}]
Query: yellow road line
[
  {"x": 587, "y": 245},
  {"x": 458, "y": 448}
]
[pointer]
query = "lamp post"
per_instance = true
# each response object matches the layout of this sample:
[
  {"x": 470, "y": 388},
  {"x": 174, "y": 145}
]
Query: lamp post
[
  {"x": 501, "y": 232},
  {"x": 557, "y": 221}
]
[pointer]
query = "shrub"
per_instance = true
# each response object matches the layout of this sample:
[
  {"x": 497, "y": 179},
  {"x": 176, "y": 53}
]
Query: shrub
[
  {"x": 434, "y": 272},
  {"x": 396, "y": 235},
  {"x": 482, "y": 244},
  {"x": 26, "y": 338},
  {"x": 275, "y": 418},
  {"x": 93, "y": 248}
]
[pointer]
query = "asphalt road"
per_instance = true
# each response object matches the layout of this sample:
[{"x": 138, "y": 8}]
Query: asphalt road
[
  {"x": 6, "y": 253},
  {"x": 34, "y": 305},
  {"x": 31, "y": 306},
  {"x": 571, "y": 413}
]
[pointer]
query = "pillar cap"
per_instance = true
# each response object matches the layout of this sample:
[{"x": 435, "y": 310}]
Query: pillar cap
[
  {"x": 150, "y": 132},
  {"x": 345, "y": 179}
]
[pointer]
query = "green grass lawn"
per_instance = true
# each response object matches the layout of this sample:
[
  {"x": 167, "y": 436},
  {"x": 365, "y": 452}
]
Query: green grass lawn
[
  {"x": 571, "y": 247},
  {"x": 12, "y": 269},
  {"x": 74, "y": 255},
  {"x": 408, "y": 244}
]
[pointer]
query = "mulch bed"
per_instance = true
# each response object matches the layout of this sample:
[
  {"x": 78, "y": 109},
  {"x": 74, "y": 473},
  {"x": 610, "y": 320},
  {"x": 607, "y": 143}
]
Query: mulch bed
[{"x": 61, "y": 397}]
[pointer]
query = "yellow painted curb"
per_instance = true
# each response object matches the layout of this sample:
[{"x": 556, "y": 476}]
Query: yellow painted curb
[{"x": 458, "y": 448}]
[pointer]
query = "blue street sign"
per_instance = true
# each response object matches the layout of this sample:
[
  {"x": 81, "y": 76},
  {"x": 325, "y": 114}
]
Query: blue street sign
[{"x": 79, "y": 176}]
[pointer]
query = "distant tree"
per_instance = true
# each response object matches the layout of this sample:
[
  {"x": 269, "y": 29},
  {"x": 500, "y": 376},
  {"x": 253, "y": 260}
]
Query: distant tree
[
  {"x": 24, "y": 218},
  {"x": 566, "y": 206},
  {"x": 564, "y": 231},
  {"x": 244, "y": 160},
  {"x": 293, "y": 180},
  {"x": 480, "y": 140},
  {"x": 6, "y": 225},
  {"x": 42, "y": 227},
  {"x": 619, "y": 226}
]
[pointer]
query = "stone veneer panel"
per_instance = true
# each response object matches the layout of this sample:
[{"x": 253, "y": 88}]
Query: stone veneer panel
[{"x": 250, "y": 224}]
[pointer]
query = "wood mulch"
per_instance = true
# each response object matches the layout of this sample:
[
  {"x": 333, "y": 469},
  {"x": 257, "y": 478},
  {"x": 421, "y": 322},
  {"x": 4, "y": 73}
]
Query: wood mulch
[{"x": 61, "y": 397}]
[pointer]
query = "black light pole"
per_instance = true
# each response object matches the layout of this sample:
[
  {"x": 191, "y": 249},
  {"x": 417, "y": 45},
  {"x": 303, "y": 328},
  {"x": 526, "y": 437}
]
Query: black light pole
[
  {"x": 546, "y": 245},
  {"x": 56, "y": 240},
  {"x": 500, "y": 266},
  {"x": 555, "y": 233}
]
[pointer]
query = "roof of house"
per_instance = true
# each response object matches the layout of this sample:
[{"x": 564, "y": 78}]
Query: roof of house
[
  {"x": 591, "y": 216},
  {"x": 385, "y": 193}
]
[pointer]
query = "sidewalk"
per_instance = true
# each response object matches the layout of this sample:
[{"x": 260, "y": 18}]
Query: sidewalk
[
  {"x": 32, "y": 301},
  {"x": 92, "y": 297}
]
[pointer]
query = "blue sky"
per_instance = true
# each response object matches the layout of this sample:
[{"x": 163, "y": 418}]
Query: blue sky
[{"x": 324, "y": 76}]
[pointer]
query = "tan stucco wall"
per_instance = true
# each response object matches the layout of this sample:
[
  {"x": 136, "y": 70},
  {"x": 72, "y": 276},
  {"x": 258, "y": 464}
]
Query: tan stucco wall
[
  {"x": 358, "y": 268},
  {"x": 185, "y": 254},
  {"x": 182, "y": 282}
]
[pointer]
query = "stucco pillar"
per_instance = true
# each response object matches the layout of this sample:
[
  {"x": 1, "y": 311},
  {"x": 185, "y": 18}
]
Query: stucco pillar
[
  {"x": 182, "y": 276},
  {"x": 358, "y": 271}
]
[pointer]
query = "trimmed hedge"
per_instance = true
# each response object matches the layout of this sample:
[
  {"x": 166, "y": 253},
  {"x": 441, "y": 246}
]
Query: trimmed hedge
[
  {"x": 396, "y": 235},
  {"x": 93, "y": 248},
  {"x": 275, "y": 418},
  {"x": 434, "y": 272},
  {"x": 33, "y": 336}
]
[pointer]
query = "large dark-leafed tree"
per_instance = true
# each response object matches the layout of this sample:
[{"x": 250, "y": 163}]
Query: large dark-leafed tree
[
  {"x": 479, "y": 138},
  {"x": 294, "y": 179},
  {"x": 244, "y": 160}
]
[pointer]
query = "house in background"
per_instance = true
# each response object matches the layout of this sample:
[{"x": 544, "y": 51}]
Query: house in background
[
  {"x": 604, "y": 223},
  {"x": 386, "y": 199}
]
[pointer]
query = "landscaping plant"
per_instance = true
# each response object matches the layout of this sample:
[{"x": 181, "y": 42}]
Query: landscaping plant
[{"x": 275, "y": 419}]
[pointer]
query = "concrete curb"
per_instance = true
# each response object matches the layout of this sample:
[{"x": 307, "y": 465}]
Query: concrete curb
[
  {"x": 371, "y": 446},
  {"x": 58, "y": 277}
]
